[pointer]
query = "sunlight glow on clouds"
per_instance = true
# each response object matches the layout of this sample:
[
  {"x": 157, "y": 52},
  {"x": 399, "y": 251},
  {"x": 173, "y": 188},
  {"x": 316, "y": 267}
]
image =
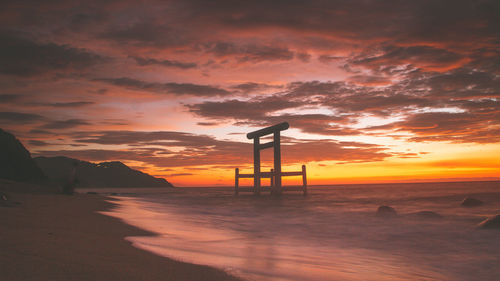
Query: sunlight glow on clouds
[{"x": 171, "y": 87}]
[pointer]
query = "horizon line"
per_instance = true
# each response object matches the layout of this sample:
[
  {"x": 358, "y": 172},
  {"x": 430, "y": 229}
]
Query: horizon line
[{"x": 448, "y": 180}]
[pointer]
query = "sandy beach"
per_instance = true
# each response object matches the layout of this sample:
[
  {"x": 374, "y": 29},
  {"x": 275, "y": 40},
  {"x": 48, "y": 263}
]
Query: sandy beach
[{"x": 59, "y": 237}]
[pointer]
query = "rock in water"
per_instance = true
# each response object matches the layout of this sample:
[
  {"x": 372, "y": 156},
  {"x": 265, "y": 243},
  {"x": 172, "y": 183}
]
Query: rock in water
[
  {"x": 471, "y": 202},
  {"x": 386, "y": 211},
  {"x": 491, "y": 223}
]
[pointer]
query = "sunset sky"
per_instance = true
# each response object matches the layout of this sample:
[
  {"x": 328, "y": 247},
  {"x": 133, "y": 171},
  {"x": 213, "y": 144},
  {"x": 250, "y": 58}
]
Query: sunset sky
[{"x": 374, "y": 91}]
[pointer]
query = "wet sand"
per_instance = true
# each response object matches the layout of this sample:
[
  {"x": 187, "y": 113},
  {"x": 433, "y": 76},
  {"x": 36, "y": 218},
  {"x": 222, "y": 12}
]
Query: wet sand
[{"x": 60, "y": 237}]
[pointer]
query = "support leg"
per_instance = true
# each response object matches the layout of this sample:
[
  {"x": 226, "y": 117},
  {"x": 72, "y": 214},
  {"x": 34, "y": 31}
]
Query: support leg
[
  {"x": 304, "y": 180},
  {"x": 277, "y": 163},
  {"x": 271, "y": 179},
  {"x": 256, "y": 166},
  {"x": 236, "y": 180}
]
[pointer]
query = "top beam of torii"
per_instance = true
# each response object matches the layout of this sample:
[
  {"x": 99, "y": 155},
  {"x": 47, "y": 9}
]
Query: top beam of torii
[{"x": 269, "y": 130}]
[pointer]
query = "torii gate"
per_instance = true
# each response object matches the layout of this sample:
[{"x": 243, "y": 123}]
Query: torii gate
[{"x": 275, "y": 174}]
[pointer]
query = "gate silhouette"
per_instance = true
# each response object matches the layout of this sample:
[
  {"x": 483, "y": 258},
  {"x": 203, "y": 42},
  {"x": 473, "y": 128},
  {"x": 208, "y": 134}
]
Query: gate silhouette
[{"x": 275, "y": 174}]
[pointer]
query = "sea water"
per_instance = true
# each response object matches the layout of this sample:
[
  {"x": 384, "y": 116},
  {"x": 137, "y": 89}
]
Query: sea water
[{"x": 331, "y": 234}]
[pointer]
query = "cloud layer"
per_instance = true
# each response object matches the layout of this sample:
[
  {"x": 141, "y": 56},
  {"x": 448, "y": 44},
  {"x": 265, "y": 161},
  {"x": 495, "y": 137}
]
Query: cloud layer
[{"x": 173, "y": 83}]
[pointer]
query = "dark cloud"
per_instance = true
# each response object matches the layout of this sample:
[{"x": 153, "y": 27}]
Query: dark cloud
[
  {"x": 177, "y": 24},
  {"x": 349, "y": 101},
  {"x": 102, "y": 91},
  {"x": 72, "y": 104},
  {"x": 115, "y": 122},
  {"x": 305, "y": 57},
  {"x": 66, "y": 104},
  {"x": 311, "y": 88},
  {"x": 165, "y": 63},
  {"x": 22, "y": 57},
  {"x": 443, "y": 122},
  {"x": 481, "y": 107},
  {"x": 435, "y": 65},
  {"x": 427, "y": 102},
  {"x": 166, "y": 88},
  {"x": 19, "y": 117},
  {"x": 419, "y": 56},
  {"x": 83, "y": 19},
  {"x": 253, "y": 109},
  {"x": 450, "y": 127},
  {"x": 207, "y": 123},
  {"x": 9, "y": 98},
  {"x": 96, "y": 155},
  {"x": 427, "y": 20},
  {"x": 262, "y": 112},
  {"x": 65, "y": 124},
  {"x": 146, "y": 33},
  {"x": 328, "y": 59},
  {"x": 170, "y": 138},
  {"x": 320, "y": 124},
  {"x": 180, "y": 174},
  {"x": 38, "y": 143},
  {"x": 249, "y": 53},
  {"x": 440, "y": 21},
  {"x": 377, "y": 103},
  {"x": 328, "y": 150},
  {"x": 250, "y": 87},
  {"x": 40, "y": 132},
  {"x": 369, "y": 80},
  {"x": 463, "y": 83},
  {"x": 486, "y": 60},
  {"x": 197, "y": 150}
]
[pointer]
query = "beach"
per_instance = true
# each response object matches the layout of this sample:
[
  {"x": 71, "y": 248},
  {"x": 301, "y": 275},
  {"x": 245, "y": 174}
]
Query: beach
[
  {"x": 58, "y": 237},
  {"x": 211, "y": 234}
]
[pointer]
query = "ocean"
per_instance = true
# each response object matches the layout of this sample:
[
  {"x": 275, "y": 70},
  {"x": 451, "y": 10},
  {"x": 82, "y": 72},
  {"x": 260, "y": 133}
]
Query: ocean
[{"x": 331, "y": 234}]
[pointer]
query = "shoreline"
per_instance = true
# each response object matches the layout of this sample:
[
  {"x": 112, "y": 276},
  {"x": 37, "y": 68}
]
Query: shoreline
[{"x": 59, "y": 237}]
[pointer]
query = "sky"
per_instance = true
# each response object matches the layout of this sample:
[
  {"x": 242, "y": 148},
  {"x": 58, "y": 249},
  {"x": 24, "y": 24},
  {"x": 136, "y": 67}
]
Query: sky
[{"x": 374, "y": 91}]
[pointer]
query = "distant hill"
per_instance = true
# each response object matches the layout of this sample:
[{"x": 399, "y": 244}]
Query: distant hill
[
  {"x": 105, "y": 174},
  {"x": 15, "y": 161}
]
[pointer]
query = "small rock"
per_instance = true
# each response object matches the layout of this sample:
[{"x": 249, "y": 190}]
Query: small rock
[
  {"x": 471, "y": 202},
  {"x": 92, "y": 192},
  {"x": 386, "y": 211},
  {"x": 491, "y": 223}
]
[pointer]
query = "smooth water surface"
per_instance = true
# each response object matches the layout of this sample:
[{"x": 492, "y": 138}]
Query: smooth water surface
[{"x": 332, "y": 234}]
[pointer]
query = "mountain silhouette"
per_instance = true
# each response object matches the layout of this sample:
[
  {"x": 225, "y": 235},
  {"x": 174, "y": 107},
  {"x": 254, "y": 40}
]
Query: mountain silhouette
[
  {"x": 15, "y": 161},
  {"x": 105, "y": 174}
]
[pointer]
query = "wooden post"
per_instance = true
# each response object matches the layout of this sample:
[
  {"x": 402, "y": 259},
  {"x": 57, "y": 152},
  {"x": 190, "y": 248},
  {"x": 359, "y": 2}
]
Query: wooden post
[
  {"x": 271, "y": 178},
  {"x": 256, "y": 166},
  {"x": 277, "y": 163},
  {"x": 236, "y": 180},
  {"x": 304, "y": 180}
]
